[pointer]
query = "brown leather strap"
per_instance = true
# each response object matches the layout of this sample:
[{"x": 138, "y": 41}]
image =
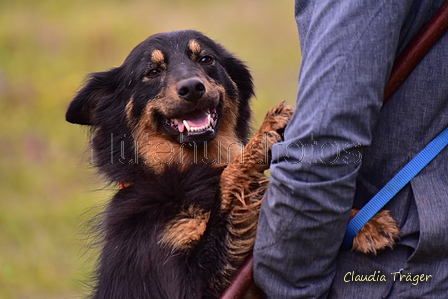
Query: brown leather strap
[
  {"x": 240, "y": 282},
  {"x": 417, "y": 49}
]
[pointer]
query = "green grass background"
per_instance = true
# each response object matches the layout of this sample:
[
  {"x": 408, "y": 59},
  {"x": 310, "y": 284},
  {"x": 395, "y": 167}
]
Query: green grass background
[{"x": 47, "y": 189}]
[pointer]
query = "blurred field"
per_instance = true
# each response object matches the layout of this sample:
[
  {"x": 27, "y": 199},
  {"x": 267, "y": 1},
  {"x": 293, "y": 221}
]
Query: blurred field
[{"x": 46, "y": 48}]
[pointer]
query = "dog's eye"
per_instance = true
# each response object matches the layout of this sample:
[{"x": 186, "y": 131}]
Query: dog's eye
[
  {"x": 152, "y": 73},
  {"x": 206, "y": 60}
]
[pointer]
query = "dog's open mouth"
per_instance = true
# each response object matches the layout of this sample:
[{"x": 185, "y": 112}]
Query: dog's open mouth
[{"x": 196, "y": 123}]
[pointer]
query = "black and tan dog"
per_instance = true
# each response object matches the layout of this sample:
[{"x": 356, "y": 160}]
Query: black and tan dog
[{"x": 171, "y": 127}]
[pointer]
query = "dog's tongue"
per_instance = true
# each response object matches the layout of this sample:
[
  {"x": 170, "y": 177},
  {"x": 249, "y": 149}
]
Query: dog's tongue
[{"x": 197, "y": 118}]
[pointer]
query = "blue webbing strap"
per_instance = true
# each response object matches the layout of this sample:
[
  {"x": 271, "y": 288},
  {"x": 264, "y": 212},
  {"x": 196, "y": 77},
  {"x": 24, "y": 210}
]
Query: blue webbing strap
[{"x": 394, "y": 186}]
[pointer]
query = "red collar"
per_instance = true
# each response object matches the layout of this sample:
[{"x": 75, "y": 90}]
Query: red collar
[{"x": 123, "y": 185}]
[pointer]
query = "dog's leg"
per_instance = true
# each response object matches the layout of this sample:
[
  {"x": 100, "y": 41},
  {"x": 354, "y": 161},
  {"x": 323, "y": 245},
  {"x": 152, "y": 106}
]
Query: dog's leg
[
  {"x": 378, "y": 233},
  {"x": 243, "y": 183}
]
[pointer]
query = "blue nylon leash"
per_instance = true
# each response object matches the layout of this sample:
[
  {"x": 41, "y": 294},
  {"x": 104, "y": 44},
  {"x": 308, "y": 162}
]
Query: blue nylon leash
[{"x": 400, "y": 180}]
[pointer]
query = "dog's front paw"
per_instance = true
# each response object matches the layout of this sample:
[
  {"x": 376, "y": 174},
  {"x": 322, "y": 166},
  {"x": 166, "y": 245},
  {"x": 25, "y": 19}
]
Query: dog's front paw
[
  {"x": 275, "y": 121},
  {"x": 257, "y": 151},
  {"x": 378, "y": 233}
]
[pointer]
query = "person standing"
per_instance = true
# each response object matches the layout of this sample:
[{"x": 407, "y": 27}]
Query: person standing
[{"x": 342, "y": 146}]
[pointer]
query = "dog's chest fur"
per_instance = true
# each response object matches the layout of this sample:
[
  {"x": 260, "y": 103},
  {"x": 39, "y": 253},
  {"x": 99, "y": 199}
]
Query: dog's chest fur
[{"x": 155, "y": 225}]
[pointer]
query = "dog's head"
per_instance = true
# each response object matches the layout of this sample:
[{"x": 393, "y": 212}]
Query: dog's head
[{"x": 179, "y": 85}]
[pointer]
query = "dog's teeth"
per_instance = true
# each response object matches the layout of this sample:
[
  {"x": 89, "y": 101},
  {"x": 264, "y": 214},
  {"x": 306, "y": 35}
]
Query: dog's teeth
[
  {"x": 198, "y": 129},
  {"x": 175, "y": 121},
  {"x": 209, "y": 120},
  {"x": 187, "y": 125}
]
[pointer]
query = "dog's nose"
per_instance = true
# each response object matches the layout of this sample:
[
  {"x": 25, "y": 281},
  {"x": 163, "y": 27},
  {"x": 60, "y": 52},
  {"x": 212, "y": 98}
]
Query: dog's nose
[{"x": 191, "y": 89}]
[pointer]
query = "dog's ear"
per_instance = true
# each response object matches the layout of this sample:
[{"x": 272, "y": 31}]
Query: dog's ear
[
  {"x": 240, "y": 74},
  {"x": 98, "y": 86}
]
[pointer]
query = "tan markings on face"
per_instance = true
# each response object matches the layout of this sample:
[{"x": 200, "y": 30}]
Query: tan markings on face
[
  {"x": 157, "y": 57},
  {"x": 185, "y": 230},
  {"x": 157, "y": 61},
  {"x": 153, "y": 147},
  {"x": 226, "y": 138},
  {"x": 195, "y": 49}
]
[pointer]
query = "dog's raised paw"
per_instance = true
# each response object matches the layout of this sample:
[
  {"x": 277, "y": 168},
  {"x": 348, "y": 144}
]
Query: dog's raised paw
[
  {"x": 377, "y": 234},
  {"x": 275, "y": 121}
]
